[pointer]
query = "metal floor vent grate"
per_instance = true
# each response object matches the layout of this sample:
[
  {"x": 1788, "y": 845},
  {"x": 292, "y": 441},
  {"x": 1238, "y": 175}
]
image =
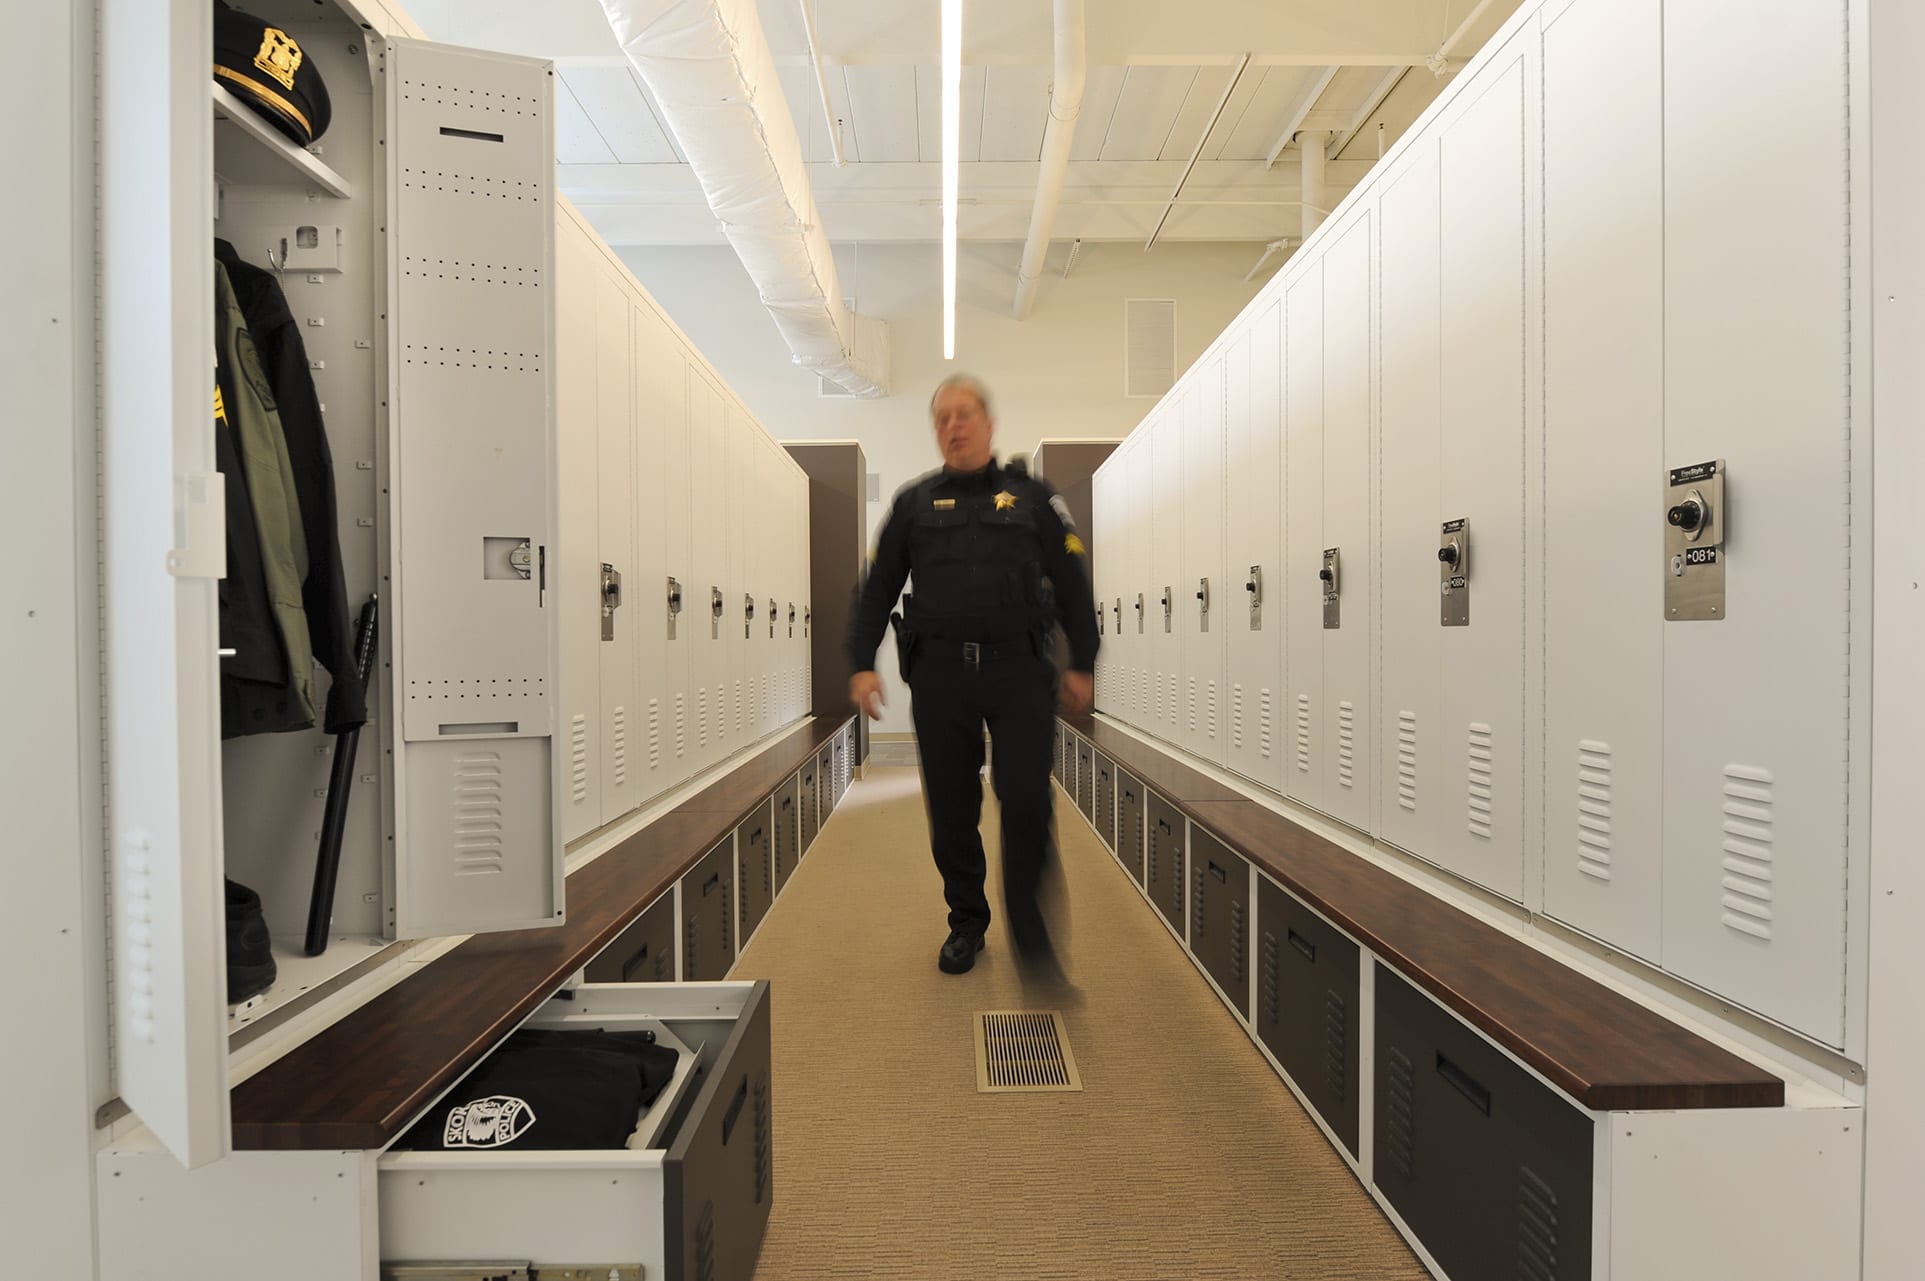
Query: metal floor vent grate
[{"x": 1023, "y": 1050}]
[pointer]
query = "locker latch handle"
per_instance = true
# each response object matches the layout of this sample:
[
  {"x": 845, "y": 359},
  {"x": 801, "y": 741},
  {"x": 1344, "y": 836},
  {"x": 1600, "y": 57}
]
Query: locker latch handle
[
  {"x": 674, "y": 597},
  {"x": 1255, "y": 585},
  {"x": 772, "y": 616},
  {"x": 715, "y": 601},
  {"x": 611, "y": 599}
]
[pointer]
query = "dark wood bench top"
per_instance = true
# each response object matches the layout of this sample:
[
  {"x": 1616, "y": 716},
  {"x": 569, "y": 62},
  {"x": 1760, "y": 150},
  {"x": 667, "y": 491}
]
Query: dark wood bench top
[
  {"x": 1603, "y": 1049},
  {"x": 357, "y": 1083}
]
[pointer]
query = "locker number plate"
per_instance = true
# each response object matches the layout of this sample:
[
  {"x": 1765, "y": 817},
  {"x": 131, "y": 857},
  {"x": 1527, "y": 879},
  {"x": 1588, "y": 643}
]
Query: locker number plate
[{"x": 1694, "y": 535}]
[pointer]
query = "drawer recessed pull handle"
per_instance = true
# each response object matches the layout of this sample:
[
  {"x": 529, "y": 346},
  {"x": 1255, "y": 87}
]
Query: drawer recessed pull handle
[
  {"x": 1223, "y": 877},
  {"x": 1465, "y": 1084},
  {"x": 1305, "y": 946},
  {"x": 735, "y": 1109},
  {"x": 787, "y": 801},
  {"x": 635, "y": 964},
  {"x": 1164, "y": 828},
  {"x": 477, "y": 134},
  {"x": 708, "y": 886},
  {"x": 755, "y": 836}
]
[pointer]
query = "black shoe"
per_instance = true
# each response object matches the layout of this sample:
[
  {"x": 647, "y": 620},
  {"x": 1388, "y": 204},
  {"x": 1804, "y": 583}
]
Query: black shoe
[
  {"x": 250, "y": 953},
  {"x": 959, "y": 952}
]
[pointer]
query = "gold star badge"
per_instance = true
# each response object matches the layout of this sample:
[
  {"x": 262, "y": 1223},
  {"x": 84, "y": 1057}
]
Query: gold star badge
[{"x": 1005, "y": 501}]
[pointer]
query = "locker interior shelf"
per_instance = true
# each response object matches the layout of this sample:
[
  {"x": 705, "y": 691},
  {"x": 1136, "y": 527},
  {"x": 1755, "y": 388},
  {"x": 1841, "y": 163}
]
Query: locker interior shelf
[
  {"x": 261, "y": 155},
  {"x": 1601, "y": 1048},
  {"x": 359, "y": 1081},
  {"x": 299, "y": 977}
]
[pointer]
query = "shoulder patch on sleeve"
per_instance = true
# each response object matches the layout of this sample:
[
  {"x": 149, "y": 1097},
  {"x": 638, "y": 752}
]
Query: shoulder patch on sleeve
[
  {"x": 1061, "y": 508},
  {"x": 1073, "y": 545}
]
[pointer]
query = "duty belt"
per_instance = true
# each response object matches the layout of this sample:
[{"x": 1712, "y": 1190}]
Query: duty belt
[{"x": 975, "y": 653}]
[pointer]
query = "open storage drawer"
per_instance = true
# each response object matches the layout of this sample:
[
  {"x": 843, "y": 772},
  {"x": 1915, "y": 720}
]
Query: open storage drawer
[{"x": 695, "y": 1204}]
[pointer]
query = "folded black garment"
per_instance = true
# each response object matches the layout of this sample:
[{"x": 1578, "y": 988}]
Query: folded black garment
[{"x": 548, "y": 1089}]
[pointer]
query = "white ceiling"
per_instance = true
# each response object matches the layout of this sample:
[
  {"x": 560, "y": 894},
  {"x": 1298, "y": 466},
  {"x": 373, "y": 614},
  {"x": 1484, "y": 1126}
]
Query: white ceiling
[{"x": 1157, "y": 71}]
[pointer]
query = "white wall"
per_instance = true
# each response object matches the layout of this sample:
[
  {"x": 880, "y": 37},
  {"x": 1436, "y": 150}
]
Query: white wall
[{"x": 1058, "y": 374}]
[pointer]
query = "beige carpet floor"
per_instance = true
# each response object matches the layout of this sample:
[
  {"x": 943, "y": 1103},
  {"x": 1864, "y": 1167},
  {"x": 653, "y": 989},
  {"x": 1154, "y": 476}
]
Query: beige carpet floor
[{"x": 1184, "y": 1156}]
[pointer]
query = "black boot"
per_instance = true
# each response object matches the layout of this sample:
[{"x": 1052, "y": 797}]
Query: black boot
[
  {"x": 250, "y": 953},
  {"x": 959, "y": 952}
]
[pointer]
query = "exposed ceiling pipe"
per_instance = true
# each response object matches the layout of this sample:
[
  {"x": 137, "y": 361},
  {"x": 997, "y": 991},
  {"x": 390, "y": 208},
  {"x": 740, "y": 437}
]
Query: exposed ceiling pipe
[
  {"x": 1274, "y": 247},
  {"x": 708, "y": 64},
  {"x": 1065, "y": 104},
  {"x": 1443, "y": 62},
  {"x": 1316, "y": 198},
  {"x": 822, "y": 83},
  {"x": 1202, "y": 139}
]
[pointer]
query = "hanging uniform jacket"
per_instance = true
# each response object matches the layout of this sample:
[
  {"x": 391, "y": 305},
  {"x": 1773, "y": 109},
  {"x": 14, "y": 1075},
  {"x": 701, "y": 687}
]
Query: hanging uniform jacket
[
  {"x": 247, "y": 625},
  {"x": 283, "y": 357},
  {"x": 248, "y": 707}
]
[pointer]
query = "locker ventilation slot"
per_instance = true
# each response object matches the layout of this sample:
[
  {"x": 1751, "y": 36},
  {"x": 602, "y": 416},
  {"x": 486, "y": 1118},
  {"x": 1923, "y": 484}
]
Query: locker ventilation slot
[
  {"x": 1336, "y": 1034},
  {"x": 1536, "y": 1228},
  {"x": 621, "y": 746},
  {"x": 1399, "y": 1127},
  {"x": 1407, "y": 760},
  {"x": 1481, "y": 756},
  {"x": 1594, "y": 810},
  {"x": 702, "y": 717},
  {"x": 1209, "y": 706},
  {"x": 1019, "y": 1051},
  {"x": 1236, "y": 717},
  {"x": 1239, "y": 967},
  {"x": 479, "y": 815},
  {"x": 1748, "y": 821},
  {"x": 761, "y": 1138},
  {"x": 1347, "y": 744},
  {"x": 654, "y": 733},
  {"x": 1272, "y": 987},
  {"x": 681, "y": 726},
  {"x": 1303, "y": 733},
  {"x": 1264, "y": 720},
  {"x": 578, "y": 759},
  {"x": 705, "y": 1243}
]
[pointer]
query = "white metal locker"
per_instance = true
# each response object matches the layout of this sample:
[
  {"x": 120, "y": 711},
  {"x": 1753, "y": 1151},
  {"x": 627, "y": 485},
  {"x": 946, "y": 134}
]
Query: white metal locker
[
  {"x": 620, "y": 674},
  {"x": 473, "y": 503},
  {"x": 659, "y": 401},
  {"x": 1603, "y": 449},
  {"x": 1348, "y": 376},
  {"x": 1202, "y": 603},
  {"x": 1167, "y": 518},
  {"x": 1142, "y": 601},
  {"x": 578, "y": 270},
  {"x": 708, "y": 601},
  {"x": 680, "y": 594},
  {"x": 1416, "y": 783},
  {"x": 1304, "y": 545},
  {"x": 1099, "y": 516},
  {"x": 1757, "y": 362},
  {"x": 1482, "y": 477},
  {"x": 1253, "y": 611}
]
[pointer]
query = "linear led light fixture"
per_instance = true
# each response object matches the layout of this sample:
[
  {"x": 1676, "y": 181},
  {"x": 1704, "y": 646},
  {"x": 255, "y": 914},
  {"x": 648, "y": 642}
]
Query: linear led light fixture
[{"x": 951, "y": 149}]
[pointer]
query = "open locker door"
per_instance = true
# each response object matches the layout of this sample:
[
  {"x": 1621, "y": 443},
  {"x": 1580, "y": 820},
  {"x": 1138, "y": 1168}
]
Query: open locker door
[
  {"x": 472, "y": 475},
  {"x": 163, "y": 553}
]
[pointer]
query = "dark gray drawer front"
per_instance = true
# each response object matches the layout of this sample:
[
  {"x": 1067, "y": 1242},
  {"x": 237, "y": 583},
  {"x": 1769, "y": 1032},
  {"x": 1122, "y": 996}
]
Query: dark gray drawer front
[
  {"x": 1489, "y": 1167},
  {"x": 786, "y": 844},
  {"x": 642, "y": 953},
  {"x": 757, "y": 887},
  {"x": 1220, "y": 915},
  {"x": 1163, "y": 857},
  {"x": 720, "y": 1170},
  {"x": 810, "y": 801},
  {"x": 708, "y": 915},
  {"x": 1307, "y": 1005},
  {"x": 1104, "y": 820},
  {"x": 825, "y": 774},
  {"x": 1086, "y": 780},
  {"x": 1132, "y": 822}
]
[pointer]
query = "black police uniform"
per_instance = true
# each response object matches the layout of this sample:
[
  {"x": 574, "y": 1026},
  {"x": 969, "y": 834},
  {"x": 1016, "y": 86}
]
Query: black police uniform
[{"x": 975, "y": 638}]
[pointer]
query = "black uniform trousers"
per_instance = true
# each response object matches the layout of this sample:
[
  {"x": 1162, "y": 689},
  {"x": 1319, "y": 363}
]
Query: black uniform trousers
[{"x": 1015, "y": 697}]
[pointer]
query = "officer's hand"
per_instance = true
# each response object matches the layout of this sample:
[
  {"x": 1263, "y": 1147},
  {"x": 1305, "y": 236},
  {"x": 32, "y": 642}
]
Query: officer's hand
[
  {"x": 1078, "y": 693},
  {"x": 865, "y": 691}
]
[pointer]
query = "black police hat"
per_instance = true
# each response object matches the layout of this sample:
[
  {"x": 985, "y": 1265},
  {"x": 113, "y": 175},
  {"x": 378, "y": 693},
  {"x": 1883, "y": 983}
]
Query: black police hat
[{"x": 267, "y": 69}]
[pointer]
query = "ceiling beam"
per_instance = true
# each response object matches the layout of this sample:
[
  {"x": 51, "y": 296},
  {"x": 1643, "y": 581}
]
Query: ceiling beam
[
  {"x": 1202, "y": 140},
  {"x": 1299, "y": 113},
  {"x": 1364, "y": 113}
]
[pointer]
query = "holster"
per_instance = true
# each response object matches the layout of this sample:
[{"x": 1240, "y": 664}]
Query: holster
[{"x": 905, "y": 646}]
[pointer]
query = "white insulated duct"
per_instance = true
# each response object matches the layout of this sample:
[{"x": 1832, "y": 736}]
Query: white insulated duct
[
  {"x": 1065, "y": 104},
  {"x": 709, "y": 66}
]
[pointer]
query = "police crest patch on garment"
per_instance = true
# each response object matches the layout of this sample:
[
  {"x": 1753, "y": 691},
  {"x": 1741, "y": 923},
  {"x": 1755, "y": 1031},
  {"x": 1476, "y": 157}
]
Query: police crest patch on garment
[
  {"x": 280, "y": 56},
  {"x": 1073, "y": 545},
  {"x": 1005, "y": 501},
  {"x": 1061, "y": 508},
  {"x": 492, "y": 1122}
]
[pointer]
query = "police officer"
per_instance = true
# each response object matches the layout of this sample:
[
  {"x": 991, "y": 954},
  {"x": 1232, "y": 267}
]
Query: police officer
[{"x": 981, "y": 540}]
